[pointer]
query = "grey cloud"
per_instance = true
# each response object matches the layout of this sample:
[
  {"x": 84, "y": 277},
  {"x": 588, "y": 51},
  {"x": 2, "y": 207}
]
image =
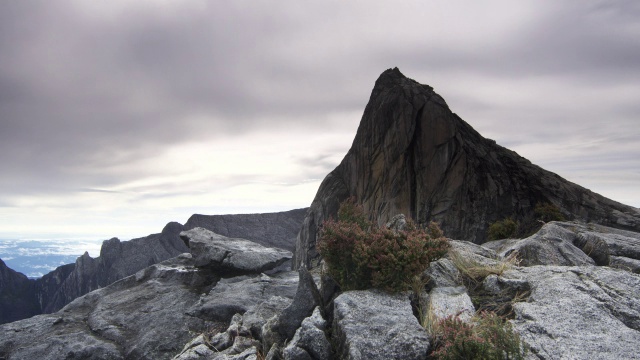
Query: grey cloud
[{"x": 82, "y": 97}]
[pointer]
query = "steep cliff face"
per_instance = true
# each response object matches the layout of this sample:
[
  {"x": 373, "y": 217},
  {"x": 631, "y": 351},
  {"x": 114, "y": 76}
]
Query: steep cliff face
[
  {"x": 412, "y": 155},
  {"x": 17, "y": 295}
]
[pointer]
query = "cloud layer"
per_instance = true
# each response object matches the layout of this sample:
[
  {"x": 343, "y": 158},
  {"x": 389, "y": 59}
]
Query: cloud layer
[{"x": 117, "y": 117}]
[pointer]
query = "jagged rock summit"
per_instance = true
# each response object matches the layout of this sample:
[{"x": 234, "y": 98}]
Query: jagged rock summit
[{"x": 412, "y": 155}]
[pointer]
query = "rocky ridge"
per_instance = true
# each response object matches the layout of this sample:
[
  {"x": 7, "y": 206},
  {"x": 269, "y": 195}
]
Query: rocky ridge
[
  {"x": 21, "y": 298},
  {"x": 412, "y": 155},
  {"x": 151, "y": 314}
]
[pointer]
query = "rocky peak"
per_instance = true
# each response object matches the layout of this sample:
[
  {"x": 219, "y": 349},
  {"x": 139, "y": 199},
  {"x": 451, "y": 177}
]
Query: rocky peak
[
  {"x": 412, "y": 155},
  {"x": 17, "y": 299}
]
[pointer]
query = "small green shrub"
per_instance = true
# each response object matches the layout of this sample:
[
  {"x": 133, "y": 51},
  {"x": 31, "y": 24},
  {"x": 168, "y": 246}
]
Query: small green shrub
[
  {"x": 503, "y": 229},
  {"x": 359, "y": 255},
  {"x": 488, "y": 339},
  {"x": 548, "y": 212}
]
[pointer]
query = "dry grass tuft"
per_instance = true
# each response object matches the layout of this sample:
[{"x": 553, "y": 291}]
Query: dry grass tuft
[{"x": 477, "y": 271}]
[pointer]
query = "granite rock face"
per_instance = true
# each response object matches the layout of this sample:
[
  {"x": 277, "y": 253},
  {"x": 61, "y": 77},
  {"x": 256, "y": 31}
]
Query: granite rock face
[
  {"x": 371, "y": 325},
  {"x": 231, "y": 255},
  {"x": 277, "y": 229},
  {"x": 154, "y": 313},
  {"x": 119, "y": 259},
  {"x": 310, "y": 340},
  {"x": 552, "y": 245},
  {"x": 141, "y": 316},
  {"x": 412, "y": 155},
  {"x": 584, "y": 312},
  {"x": 573, "y": 243}
]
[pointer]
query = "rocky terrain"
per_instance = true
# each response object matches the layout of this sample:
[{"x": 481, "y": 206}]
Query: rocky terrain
[
  {"x": 412, "y": 155},
  {"x": 224, "y": 299},
  {"x": 570, "y": 290},
  {"x": 21, "y": 298}
]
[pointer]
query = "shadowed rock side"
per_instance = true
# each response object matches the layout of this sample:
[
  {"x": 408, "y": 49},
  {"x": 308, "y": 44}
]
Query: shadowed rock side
[
  {"x": 412, "y": 155},
  {"x": 14, "y": 288},
  {"x": 270, "y": 229}
]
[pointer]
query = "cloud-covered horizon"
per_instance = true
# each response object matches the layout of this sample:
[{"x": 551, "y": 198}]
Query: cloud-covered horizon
[{"x": 118, "y": 117}]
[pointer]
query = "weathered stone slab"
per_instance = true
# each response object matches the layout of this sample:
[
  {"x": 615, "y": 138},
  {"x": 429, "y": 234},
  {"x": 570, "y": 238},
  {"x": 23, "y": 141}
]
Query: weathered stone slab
[
  {"x": 372, "y": 325},
  {"x": 451, "y": 301},
  {"x": 579, "y": 312},
  {"x": 231, "y": 255},
  {"x": 552, "y": 245}
]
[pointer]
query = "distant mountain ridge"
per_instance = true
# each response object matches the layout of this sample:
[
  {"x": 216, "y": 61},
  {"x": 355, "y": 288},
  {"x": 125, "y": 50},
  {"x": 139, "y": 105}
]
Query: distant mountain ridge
[
  {"x": 411, "y": 155},
  {"x": 21, "y": 297}
]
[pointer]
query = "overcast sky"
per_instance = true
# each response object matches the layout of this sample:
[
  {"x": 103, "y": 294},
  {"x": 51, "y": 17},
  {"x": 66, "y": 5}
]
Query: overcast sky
[{"x": 119, "y": 116}]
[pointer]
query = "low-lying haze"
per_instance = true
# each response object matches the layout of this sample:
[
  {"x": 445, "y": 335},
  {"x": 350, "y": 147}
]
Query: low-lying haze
[{"x": 117, "y": 117}]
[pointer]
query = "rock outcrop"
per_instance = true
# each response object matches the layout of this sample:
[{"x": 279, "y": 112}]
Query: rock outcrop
[
  {"x": 571, "y": 243},
  {"x": 583, "y": 312},
  {"x": 561, "y": 310},
  {"x": 375, "y": 325},
  {"x": 278, "y": 229},
  {"x": 412, "y": 155},
  {"x": 231, "y": 256},
  {"x": 119, "y": 259},
  {"x": 154, "y": 313}
]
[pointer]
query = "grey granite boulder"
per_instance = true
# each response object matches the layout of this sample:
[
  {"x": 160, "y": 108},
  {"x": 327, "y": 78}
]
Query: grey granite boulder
[
  {"x": 281, "y": 328},
  {"x": 451, "y": 301},
  {"x": 584, "y": 312},
  {"x": 551, "y": 245},
  {"x": 443, "y": 273},
  {"x": 240, "y": 294},
  {"x": 371, "y": 324},
  {"x": 231, "y": 256},
  {"x": 235, "y": 343},
  {"x": 625, "y": 263},
  {"x": 278, "y": 229},
  {"x": 310, "y": 340}
]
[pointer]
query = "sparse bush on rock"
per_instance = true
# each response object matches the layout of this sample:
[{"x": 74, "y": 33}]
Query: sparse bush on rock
[
  {"x": 548, "y": 212},
  {"x": 509, "y": 228},
  {"x": 488, "y": 338},
  {"x": 503, "y": 229},
  {"x": 360, "y": 255}
]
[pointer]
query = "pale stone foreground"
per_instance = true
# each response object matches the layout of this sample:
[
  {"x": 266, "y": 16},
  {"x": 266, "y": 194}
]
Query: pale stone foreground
[{"x": 176, "y": 309}]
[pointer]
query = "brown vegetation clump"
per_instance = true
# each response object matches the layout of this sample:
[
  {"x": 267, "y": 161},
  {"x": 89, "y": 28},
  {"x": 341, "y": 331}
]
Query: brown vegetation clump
[
  {"x": 488, "y": 337},
  {"x": 360, "y": 255}
]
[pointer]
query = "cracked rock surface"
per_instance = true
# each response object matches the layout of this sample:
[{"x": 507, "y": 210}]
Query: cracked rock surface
[
  {"x": 231, "y": 256},
  {"x": 141, "y": 316},
  {"x": 149, "y": 315},
  {"x": 584, "y": 312}
]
